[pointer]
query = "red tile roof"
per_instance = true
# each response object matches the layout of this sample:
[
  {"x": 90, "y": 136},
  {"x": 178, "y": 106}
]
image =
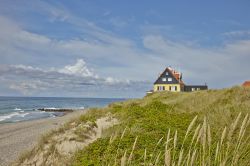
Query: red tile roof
[
  {"x": 246, "y": 84},
  {"x": 177, "y": 75}
]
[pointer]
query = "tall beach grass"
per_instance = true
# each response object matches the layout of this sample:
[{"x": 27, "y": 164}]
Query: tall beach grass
[{"x": 230, "y": 149}]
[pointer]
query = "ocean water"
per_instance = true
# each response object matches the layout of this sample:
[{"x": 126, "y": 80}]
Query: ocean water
[{"x": 16, "y": 109}]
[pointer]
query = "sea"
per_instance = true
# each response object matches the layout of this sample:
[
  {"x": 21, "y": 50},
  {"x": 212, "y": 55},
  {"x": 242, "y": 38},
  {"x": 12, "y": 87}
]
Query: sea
[{"x": 16, "y": 109}]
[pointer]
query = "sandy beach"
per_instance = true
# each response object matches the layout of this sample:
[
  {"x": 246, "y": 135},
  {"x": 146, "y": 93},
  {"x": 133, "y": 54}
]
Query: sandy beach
[{"x": 16, "y": 138}]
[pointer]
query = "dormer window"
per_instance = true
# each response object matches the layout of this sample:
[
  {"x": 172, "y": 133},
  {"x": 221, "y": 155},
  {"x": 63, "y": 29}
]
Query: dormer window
[
  {"x": 170, "y": 79},
  {"x": 164, "y": 79}
]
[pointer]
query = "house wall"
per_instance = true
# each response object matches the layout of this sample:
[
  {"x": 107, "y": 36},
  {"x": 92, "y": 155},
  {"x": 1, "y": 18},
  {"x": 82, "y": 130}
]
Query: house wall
[{"x": 166, "y": 86}]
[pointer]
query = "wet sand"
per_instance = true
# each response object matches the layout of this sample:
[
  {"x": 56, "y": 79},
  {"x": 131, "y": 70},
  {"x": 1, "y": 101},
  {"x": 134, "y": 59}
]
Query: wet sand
[{"x": 16, "y": 138}]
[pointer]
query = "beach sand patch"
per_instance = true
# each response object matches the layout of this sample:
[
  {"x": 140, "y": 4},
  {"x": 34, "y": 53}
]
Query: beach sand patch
[{"x": 58, "y": 148}]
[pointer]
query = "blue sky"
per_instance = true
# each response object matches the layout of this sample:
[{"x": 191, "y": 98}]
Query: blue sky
[{"x": 113, "y": 48}]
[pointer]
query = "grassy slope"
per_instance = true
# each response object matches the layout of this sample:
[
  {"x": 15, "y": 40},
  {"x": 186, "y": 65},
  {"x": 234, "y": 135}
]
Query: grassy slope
[{"x": 151, "y": 117}]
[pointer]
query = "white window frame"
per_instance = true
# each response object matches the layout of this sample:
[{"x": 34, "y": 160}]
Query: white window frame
[
  {"x": 170, "y": 79},
  {"x": 164, "y": 79}
]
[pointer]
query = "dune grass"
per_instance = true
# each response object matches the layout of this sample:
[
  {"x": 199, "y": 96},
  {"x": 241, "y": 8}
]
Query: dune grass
[
  {"x": 201, "y": 149},
  {"x": 200, "y": 128}
]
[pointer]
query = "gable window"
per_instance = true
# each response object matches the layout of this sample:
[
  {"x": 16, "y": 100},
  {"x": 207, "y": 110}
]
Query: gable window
[
  {"x": 170, "y": 79},
  {"x": 164, "y": 79},
  {"x": 166, "y": 73}
]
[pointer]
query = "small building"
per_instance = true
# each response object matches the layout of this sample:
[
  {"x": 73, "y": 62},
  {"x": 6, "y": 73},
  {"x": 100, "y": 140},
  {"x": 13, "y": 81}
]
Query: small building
[
  {"x": 246, "y": 84},
  {"x": 171, "y": 80},
  {"x": 190, "y": 88}
]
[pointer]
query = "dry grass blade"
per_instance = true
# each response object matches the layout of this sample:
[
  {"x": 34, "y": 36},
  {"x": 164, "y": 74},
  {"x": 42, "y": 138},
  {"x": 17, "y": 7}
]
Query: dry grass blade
[
  {"x": 193, "y": 157},
  {"x": 133, "y": 148},
  {"x": 168, "y": 140},
  {"x": 243, "y": 126},
  {"x": 194, "y": 136},
  {"x": 233, "y": 126},
  {"x": 123, "y": 159},
  {"x": 175, "y": 139},
  {"x": 204, "y": 131},
  {"x": 188, "y": 157},
  {"x": 159, "y": 141},
  {"x": 209, "y": 137},
  {"x": 216, "y": 153},
  {"x": 190, "y": 127},
  {"x": 123, "y": 133},
  {"x": 223, "y": 135},
  {"x": 167, "y": 158},
  {"x": 175, "y": 144},
  {"x": 180, "y": 158},
  {"x": 209, "y": 140}
]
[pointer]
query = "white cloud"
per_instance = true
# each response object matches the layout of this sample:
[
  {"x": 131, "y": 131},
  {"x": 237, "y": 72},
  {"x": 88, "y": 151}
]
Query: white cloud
[
  {"x": 74, "y": 79},
  {"x": 240, "y": 33},
  {"x": 79, "y": 69}
]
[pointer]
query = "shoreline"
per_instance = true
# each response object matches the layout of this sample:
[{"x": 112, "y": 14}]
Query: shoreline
[{"x": 16, "y": 138}]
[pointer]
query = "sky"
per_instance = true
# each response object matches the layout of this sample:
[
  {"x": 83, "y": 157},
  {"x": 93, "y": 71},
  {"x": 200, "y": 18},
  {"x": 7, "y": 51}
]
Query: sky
[{"x": 114, "y": 48}]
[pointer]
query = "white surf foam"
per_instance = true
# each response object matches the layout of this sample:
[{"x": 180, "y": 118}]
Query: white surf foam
[
  {"x": 4, "y": 117},
  {"x": 23, "y": 115}
]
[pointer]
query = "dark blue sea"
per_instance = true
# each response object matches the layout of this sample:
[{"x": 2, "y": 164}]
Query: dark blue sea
[{"x": 16, "y": 109}]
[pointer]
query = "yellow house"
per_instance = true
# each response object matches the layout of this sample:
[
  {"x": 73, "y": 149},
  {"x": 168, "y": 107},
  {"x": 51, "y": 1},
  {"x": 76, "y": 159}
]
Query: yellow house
[{"x": 169, "y": 80}]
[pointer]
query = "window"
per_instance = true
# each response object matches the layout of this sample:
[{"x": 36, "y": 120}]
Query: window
[
  {"x": 170, "y": 79},
  {"x": 160, "y": 88},
  {"x": 164, "y": 79},
  {"x": 173, "y": 88},
  {"x": 166, "y": 73},
  {"x": 193, "y": 89}
]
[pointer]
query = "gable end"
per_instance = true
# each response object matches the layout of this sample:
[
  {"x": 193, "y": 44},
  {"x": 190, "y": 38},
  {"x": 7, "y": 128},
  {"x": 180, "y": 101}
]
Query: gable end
[{"x": 164, "y": 78}]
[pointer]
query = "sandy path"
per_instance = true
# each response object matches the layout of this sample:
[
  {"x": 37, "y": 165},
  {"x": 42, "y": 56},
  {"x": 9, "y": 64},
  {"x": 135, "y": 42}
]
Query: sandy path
[{"x": 18, "y": 137}]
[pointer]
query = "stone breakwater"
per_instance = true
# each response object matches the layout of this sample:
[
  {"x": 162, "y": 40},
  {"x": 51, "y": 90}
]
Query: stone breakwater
[{"x": 56, "y": 109}]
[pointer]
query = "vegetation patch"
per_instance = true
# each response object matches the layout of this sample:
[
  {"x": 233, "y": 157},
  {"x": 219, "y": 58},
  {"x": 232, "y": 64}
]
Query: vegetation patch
[{"x": 156, "y": 130}]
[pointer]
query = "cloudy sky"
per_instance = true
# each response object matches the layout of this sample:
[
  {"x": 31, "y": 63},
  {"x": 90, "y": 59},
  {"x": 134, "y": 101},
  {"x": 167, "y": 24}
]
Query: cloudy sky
[{"x": 115, "y": 48}]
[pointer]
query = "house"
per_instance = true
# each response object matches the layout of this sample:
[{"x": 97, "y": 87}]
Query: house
[
  {"x": 246, "y": 84},
  {"x": 171, "y": 80}
]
